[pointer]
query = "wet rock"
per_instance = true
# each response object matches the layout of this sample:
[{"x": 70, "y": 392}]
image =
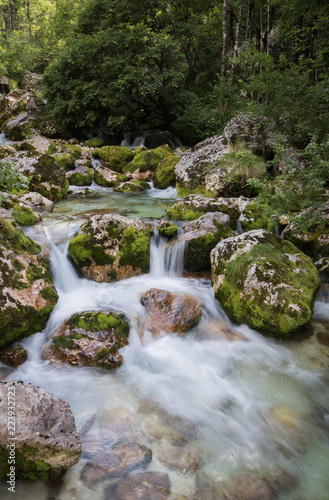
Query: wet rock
[
  {"x": 164, "y": 175},
  {"x": 202, "y": 235},
  {"x": 176, "y": 458},
  {"x": 46, "y": 441},
  {"x": 195, "y": 205},
  {"x": 115, "y": 157},
  {"x": 37, "y": 202},
  {"x": 89, "y": 339},
  {"x": 142, "y": 485},
  {"x": 116, "y": 462},
  {"x": 24, "y": 216},
  {"x": 167, "y": 229},
  {"x": 13, "y": 356},
  {"x": 112, "y": 247},
  {"x": 264, "y": 281},
  {"x": 323, "y": 338},
  {"x": 172, "y": 312},
  {"x": 27, "y": 292},
  {"x": 217, "y": 329},
  {"x": 106, "y": 177},
  {"x": 157, "y": 432},
  {"x": 133, "y": 186},
  {"x": 248, "y": 487}
]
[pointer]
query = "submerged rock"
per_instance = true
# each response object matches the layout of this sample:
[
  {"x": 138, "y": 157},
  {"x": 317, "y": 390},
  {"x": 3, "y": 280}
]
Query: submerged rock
[
  {"x": 45, "y": 439},
  {"x": 133, "y": 186},
  {"x": 13, "y": 356},
  {"x": 27, "y": 292},
  {"x": 89, "y": 339},
  {"x": 217, "y": 329},
  {"x": 142, "y": 486},
  {"x": 111, "y": 247},
  {"x": 202, "y": 235},
  {"x": 172, "y": 312},
  {"x": 264, "y": 281}
]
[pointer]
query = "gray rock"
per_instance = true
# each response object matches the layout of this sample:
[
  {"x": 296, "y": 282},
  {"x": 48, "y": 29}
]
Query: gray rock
[{"x": 46, "y": 442}]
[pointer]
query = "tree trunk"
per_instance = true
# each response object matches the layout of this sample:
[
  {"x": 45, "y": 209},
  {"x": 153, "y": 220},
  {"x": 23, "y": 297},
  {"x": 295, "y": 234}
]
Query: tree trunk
[
  {"x": 268, "y": 27},
  {"x": 237, "y": 32},
  {"x": 222, "y": 68}
]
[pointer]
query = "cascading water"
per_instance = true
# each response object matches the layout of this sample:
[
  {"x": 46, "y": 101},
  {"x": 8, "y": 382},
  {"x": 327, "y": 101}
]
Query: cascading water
[{"x": 253, "y": 405}]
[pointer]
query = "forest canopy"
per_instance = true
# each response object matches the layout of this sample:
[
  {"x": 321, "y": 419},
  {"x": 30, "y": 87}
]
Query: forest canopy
[{"x": 187, "y": 66}]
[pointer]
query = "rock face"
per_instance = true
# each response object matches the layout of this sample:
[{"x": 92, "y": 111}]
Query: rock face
[
  {"x": 202, "y": 235},
  {"x": 89, "y": 339},
  {"x": 46, "y": 442},
  {"x": 172, "y": 312},
  {"x": 111, "y": 247},
  {"x": 264, "y": 281},
  {"x": 195, "y": 205},
  {"x": 13, "y": 356},
  {"x": 220, "y": 165},
  {"x": 27, "y": 292}
]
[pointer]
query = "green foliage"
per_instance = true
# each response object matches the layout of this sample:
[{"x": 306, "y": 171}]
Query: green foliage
[{"x": 11, "y": 181}]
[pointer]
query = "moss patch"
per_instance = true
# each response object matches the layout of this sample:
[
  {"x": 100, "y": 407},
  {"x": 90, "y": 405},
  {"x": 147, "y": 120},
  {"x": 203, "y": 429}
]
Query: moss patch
[
  {"x": 24, "y": 216},
  {"x": 65, "y": 161},
  {"x": 27, "y": 469},
  {"x": 135, "y": 249},
  {"x": 116, "y": 156},
  {"x": 167, "y": 229},
  {"x": 95, "y": 142},
  {"x": 165, "y": 173},
  {"x": 15, "y": 240},
  {"x": 81, "y": 178}
]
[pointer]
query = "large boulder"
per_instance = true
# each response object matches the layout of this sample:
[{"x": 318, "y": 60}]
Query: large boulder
[
  {"x": 107, "y": 177},
  {"x": 195, "y": 205},
  {"x": 220, "y": 165},
  {"x": 264, "y": 281},
  {"x": 201, "y": 236},
  {"x": 172, "y": 312},
  {"x": 89, "y": 339},
  {"x": 42, "y": 439},
  {"x": 18, "y": 127},
  {"x": 45, "y": 174},
  {"x": 146, "y": 161},
  {"x": 110, "y": 247},
  {"x": 115, "y": 157},
  {"x": 27, "y": 292},
  {"x": 164, "y": 175}
]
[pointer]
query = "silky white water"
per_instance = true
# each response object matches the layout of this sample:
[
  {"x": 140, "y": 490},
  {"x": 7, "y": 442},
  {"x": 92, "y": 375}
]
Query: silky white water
[{"x": 220, "y": 395}]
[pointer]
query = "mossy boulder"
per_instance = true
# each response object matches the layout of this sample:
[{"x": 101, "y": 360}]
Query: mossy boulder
[
  {"x": 27, "y": 292},
  {"x": 194, "y": 205},
  {"x": 147, "y": 160},
  {"x": 82, "y": 175},
  {"x": 65, "y": 161},
  {"x": 254, "y": 218},
  {"x": 23, "y": 215},
  {"x": 115, "y": 157},
  {"x": 89, "y": 339},
  {"x": 71, "y": 150},
  {"x": 201, "y": 236},
  {"x": 165, "y": 173},
  {"x": 264, "y": 281},
  {"x": 132, "y": 186},
  {"x": 19, "y": 127},
  {"x": 45, "y": 442},
  {"x": 95, "y": 142},
  {"x": 167, "y": 229},
  {"x": 111, "y": 247}
]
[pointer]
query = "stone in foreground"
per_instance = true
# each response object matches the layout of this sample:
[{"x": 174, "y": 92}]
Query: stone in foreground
[
  {"x": 172, "y": 312},
  {"x": 46, "y": 440},
  {"x": 264, "y": 281}
]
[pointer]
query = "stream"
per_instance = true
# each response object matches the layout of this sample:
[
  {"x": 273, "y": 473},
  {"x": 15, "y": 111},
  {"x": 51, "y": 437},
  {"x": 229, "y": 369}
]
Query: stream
[{"x": 221, "y": 407}]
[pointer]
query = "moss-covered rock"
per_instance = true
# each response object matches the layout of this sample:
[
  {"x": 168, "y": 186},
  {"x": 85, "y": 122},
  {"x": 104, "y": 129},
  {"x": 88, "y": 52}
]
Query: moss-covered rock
[
  {"x": 90, "y": 339},
  {"x": 24, "y": 216},
  {"x": 71, "y": 150},
  {"x": 19, "y": 127},
  {"x": 115, "y": 157},
  {"x": 42, "y": 451},
  {"x": 254, "y": 218},
  {"x": 264, "y": 281},
  {"x": 111, "y": 247},
  {"x": 65, "y": 161},
  {"x": 95, "y": 142},
  {"x": 165, "y": 173},
  {"x": 132, "y": 186},
  {"x": 80, "y": 176},
  {"x": 167, "y": 229},
  {"x": 27, "y": 293},
  {"x": 106, "y": 177},
  {"x": 146, "y": 160},
  {"x": 201, "y": 236}
]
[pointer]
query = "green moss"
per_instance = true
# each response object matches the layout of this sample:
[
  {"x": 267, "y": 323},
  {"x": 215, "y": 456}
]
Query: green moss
[
  {"x": 116, "y": 156},
  {"x": 145, "y": 160},
  {"x": 52, "y": 149},
  {"x": 135, "y": 249},
  {"x": 29, "y": 450},
  {"x": 66, "y": 161},
  {"x": 26, "y": 146},
  {"x": 96, "y": 322},
  {"x": 80, "y": 250},
  {"x": 95, "y": 142},
  {"x": 255, "y": 218},
  {"x": 17, "y": 265},
  {"x": 103, "y": 353},
  {"x": 133, "y": 186},
  {"x": 167, "y": 229},
  {"x": 26, "y": 469},
  {"x": 15, "y": 240},
  {"x": 63, "y": 342},
  {"x": 24, "y": 216},
  {"x": 186, "y": 189},
  {"x": 179, "y": 211},
  {"x": 165, "y": 173},
  {"x": 50, "y": 293},
  {"x": 72, "y": 150},
  {"x": 100, "y": 257},
  {"x": 20, "y": 131},
  {"x": 81, "y": 178}
]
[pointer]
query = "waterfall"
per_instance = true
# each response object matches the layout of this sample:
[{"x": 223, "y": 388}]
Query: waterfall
[
  {"x": 2, "y": 139},
  {"x": 174, "y": 258},
  {"x": 133, "y": 140},
  {"x": 239, "y": 227}
]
